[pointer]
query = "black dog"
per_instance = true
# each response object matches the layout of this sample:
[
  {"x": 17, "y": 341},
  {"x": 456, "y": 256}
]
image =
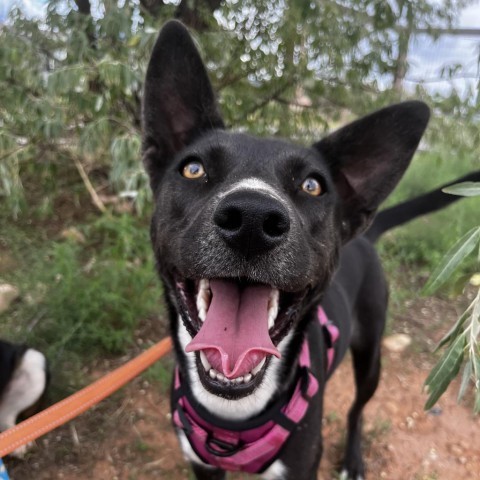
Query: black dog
[
  {"x": 250, "y": 236},
  {"x": 23, "y": 382}
]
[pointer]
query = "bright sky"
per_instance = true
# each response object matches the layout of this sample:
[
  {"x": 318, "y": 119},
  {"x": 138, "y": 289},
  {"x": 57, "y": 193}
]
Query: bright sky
[
  {"x": 33, "y": 7},
  {"x": 426, "y": 56}
]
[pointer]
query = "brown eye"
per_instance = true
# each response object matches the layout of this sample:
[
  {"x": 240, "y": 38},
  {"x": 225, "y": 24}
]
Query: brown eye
[
  {"x": 193, "y": 170},
  {"x": 312, "y": 187}
]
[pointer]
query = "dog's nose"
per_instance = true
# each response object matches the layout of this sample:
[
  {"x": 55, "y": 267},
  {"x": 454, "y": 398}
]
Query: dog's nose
[{"x": 251, "y": 222}]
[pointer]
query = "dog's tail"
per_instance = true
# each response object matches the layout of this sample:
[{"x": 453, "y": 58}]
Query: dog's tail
[{"x": 404, "y": 212}]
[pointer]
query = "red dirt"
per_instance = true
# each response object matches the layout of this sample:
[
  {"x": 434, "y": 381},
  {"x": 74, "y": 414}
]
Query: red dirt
[{"x": 129, "y": 436}]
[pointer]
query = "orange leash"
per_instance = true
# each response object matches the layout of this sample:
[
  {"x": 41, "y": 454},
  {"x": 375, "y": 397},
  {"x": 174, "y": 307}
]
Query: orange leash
[{"x": 76, "y": 404}]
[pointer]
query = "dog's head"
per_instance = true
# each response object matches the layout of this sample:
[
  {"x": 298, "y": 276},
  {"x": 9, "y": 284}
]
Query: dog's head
[{"x": 246, "y": 230}]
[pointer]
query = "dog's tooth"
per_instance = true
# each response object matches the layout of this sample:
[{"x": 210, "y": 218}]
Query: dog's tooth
[
  {"x": 274, "y": 295},
  {"x": 212, "y": 373},
  {"x": 202, "y": 314},
  {"x": 271, "y": 320},
  {"x": 220, "y": 376},
  {"x": 204, "y": 361},
  {"x": 201, "y": 306},
  {"x": 259, "y": 366},
  {"x": 273, "y": 307},
  {"x": 203, "y": 297},
  {"x": 247, "y": 377},
  {"x": 238, "y": 380}
]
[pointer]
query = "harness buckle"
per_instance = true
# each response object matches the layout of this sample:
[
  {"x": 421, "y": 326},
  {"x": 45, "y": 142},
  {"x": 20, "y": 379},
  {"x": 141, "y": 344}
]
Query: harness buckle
[{"x": 226, "y": 449}]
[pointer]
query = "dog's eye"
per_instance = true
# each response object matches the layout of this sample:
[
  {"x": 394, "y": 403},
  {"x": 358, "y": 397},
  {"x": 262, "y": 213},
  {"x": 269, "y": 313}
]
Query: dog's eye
[
  {"x": 312, "y": 187},
  {"x": 193, "y": 170}
]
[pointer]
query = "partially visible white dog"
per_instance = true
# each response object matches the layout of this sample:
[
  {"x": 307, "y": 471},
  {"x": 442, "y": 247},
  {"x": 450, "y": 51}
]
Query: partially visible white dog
[{"x": 23, "y": 381}]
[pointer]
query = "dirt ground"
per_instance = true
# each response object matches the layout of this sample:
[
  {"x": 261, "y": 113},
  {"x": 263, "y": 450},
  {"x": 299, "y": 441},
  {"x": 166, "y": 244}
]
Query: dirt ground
[{"x": 129, "y": 436}]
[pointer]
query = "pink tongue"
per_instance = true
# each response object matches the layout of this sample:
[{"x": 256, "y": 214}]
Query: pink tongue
[{"x": 234, "y": 336}]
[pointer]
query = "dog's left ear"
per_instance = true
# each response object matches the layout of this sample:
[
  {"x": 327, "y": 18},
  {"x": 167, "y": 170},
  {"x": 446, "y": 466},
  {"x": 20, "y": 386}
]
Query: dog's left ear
[
  {"x": 368, "y": 157},
  {"x": 178, "y": 103}
]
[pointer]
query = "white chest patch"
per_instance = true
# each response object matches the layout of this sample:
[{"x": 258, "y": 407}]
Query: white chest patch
[
  {"x": 188, "y": 452},
  {"x": 276, "y": 471}
]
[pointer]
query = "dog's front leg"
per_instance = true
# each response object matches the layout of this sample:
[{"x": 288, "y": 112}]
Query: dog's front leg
[
  {"x": 301, "y": 457},
  {"x": 200, "y": 470},
  {"x": 207, "y": 473},
  {"x": 299, "y": 467}
]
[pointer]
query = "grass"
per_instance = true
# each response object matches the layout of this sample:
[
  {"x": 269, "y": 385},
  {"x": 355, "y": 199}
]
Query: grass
[
  {"x": 426, "y": 239},
  {"x": 81, "y": 299},
  {"x": 160, "y": 374},
  {"x": 412, "y": 251},
  {"x": 426, "y": 476}
]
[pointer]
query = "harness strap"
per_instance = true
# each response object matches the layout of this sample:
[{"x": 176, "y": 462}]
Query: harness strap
[
  {"x": 248, "y": 450},
  {"x": 331, "y": 333},
  {"x": 253, "y": 449}
]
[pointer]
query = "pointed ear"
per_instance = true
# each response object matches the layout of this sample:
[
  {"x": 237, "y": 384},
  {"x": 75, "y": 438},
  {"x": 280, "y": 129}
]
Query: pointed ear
[
  {"x": 368, "y": 157},
  {"x": 178, "y": 103}
]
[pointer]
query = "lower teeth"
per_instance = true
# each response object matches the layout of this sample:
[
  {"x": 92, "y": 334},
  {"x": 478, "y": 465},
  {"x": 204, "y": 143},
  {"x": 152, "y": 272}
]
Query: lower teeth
[{"x": 214, "y": 375}]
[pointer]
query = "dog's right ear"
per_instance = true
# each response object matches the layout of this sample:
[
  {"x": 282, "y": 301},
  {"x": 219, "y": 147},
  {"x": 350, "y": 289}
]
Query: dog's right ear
[{"x": 178, "y": 103}]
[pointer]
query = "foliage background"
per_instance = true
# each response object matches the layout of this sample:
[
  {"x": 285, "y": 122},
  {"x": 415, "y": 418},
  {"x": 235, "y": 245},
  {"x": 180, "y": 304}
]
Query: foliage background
[{"x": 72, "y": 82}]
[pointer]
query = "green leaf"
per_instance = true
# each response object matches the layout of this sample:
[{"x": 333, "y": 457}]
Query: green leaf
[
  {"x": 477, "y": 383},
  {"x": 445, "y": 371},
  {"x": 134, "y": 41},
  {"x": 466, "y": 376},
  {"x": 454, "y": 331},
  {"x": 477, "y": 366},
  {"x": 453, "y": 257},
  {"x": 465, "y": 189},
  {"x": 67, "y": 79},
  {"x": 99, "y": 103},
  {"x": 95, "y": 136}
]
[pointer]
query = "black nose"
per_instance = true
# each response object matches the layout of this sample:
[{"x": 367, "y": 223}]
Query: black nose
[{"x": 251, "y": 222}]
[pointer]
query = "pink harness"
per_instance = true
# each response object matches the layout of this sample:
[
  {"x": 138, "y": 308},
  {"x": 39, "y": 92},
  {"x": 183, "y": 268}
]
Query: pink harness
[{"x": 254, "y": 445}]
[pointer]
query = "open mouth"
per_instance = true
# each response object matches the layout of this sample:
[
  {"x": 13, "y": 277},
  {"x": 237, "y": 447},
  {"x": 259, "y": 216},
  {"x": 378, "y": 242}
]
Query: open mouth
[{"x": 236, "y": 326}]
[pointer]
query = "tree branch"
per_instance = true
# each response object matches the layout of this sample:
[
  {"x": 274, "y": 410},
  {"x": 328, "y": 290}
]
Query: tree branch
[
  {"x": 83, "y": 7},
  {"x": 266, "y": 100},
  {"x": 88, "y": 184},
  {"x": 153, "y": 7},
  {"x": 194, "y": 15}
]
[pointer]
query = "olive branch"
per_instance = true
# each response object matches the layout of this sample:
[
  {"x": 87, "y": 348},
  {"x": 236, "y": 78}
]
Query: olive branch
[{"x": 461, "y": 343}]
